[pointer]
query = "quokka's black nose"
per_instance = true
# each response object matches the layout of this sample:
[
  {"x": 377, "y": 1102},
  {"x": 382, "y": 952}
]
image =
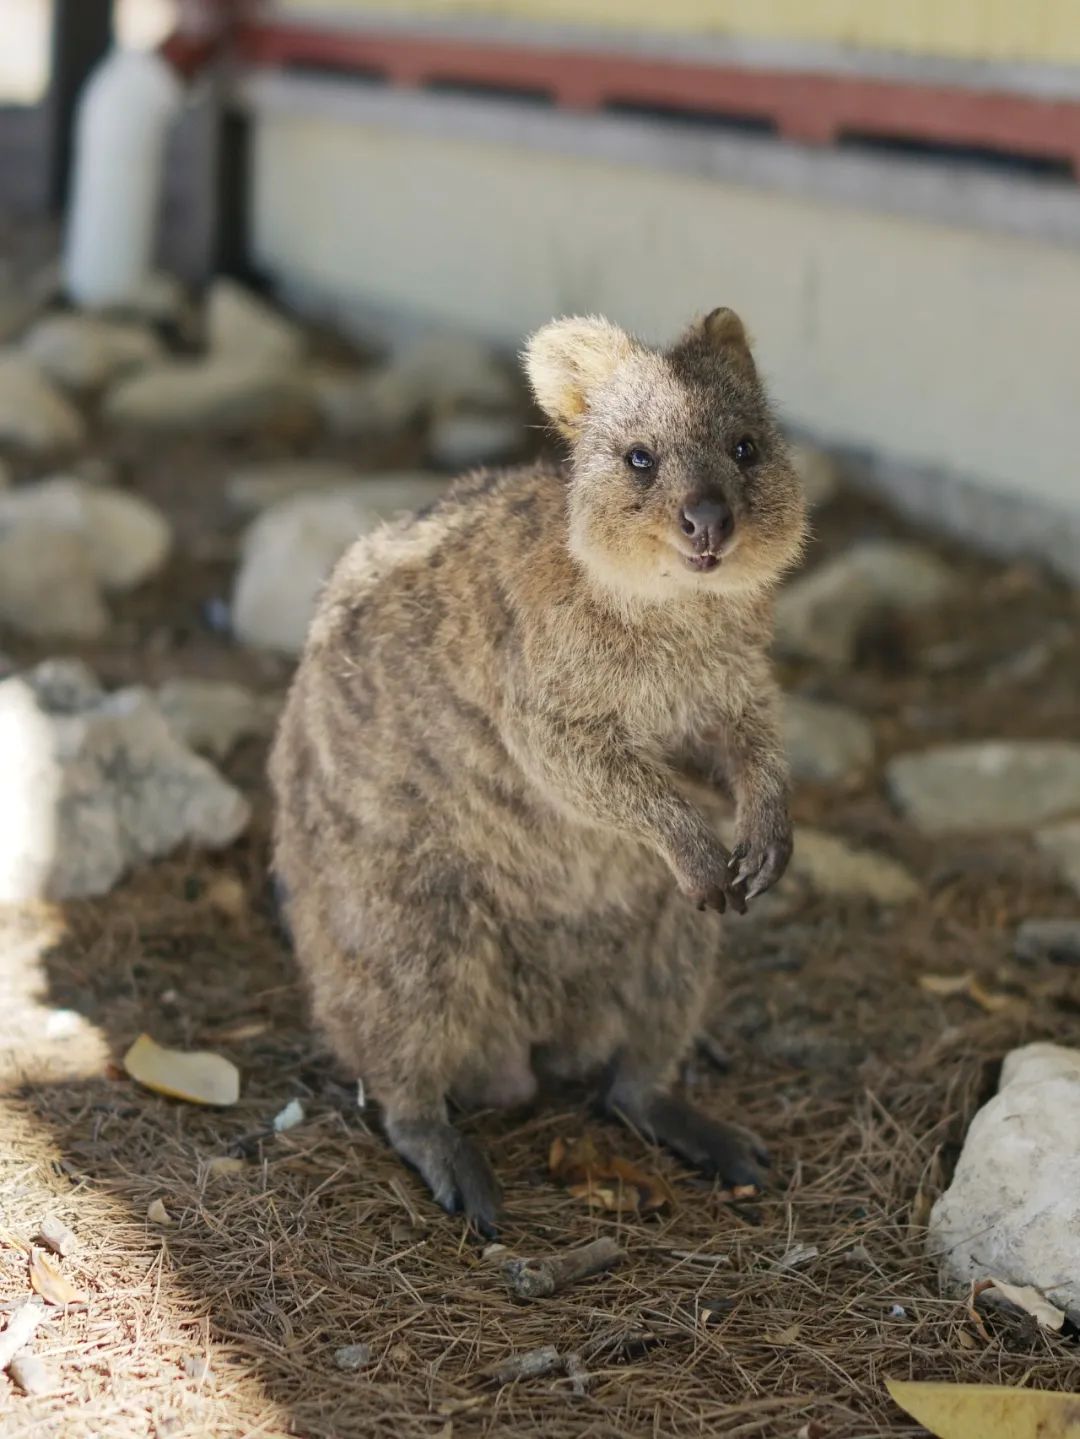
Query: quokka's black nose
[{"x": 707, "y": 522}]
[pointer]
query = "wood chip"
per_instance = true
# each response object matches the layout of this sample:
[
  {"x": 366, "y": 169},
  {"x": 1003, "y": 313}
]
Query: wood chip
[
  {"x": 55, "y": 1235},
  {"x": 157, "y": 1213},
  {"x": 529, "y": 1365},
  {"x": 20, "y": 1329},
  {"x": 540, "y": 1278}
]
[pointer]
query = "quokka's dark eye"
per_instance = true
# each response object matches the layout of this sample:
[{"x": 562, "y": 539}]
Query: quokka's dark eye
[
  {"x": 641, "y": 459},
  {"x": 744, "y": 452}
]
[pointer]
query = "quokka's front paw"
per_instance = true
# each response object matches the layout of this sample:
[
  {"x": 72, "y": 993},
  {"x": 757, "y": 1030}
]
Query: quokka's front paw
[
  {"x": 709, "y": 882},
  {"x": 759, "y": 859}
]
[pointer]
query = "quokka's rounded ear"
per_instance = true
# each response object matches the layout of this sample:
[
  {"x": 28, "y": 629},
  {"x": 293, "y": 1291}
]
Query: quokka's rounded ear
[
  {"x": 567, "y": 360},
  {"x": 722, "y": 330}
]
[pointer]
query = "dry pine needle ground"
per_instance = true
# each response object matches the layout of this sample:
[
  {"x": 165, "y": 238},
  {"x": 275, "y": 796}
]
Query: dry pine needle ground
[{"x": 777, "y": 1318}]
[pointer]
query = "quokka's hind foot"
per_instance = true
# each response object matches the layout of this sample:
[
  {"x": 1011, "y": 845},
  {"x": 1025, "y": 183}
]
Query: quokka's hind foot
[
  {"x": 732, "y": 1154},
  {"x": 457, "y": 1172}
]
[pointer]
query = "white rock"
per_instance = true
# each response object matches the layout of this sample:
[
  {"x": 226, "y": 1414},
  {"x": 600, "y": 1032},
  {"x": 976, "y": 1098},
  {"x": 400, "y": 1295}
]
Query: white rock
[
  {"x": 88, "y": 793},
  {"x": 34, "y": 416},
  {"x": 83, "y": 352},
  {"x": 126, "y": 538},
  {"x": 353, "y": 404},
  {"x": 1061, "y": 842},
  {"x": 255, "y": 487},
  {"x": 223, "y": 394},
  {"x": 159, "y": 298},
  {"x": 212, "y": 716},
  {"x": 819, "y": 615},
  {"x": 1012, "y": 1210},
  {"x": 825, "y": 742},
  {"x": 997, "y": 784},
  {"x": 459, "y": 441},
  {"x": 291, "y": 548},
  {"x": 830, "y": 866},
  {"x": 48, "y": 588},
  {"x": 239, "y": 324},
  {"x": 817, "y": 470}
]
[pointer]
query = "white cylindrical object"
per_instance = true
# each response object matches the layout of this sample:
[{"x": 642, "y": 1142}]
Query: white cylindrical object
[{"x": 121, "y": 126}]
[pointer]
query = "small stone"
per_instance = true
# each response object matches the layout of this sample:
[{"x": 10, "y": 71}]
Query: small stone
[
  {"x": 1053, "y": 940},
  {"x": 55, "y": 1235},
  {"x": 826, "y": 742},
  {"x": 352, "y": 1357},
  {"x": 289, "y": 1117},
  {"x": 987, "y": 785},
  {"x": 256, "y": 487},
  {"x": 213, "y": 716},
  {"x": 1012, "y": 1211},
  {"x": 291, "y": 548},
  {"x": 126, "y": 538},
  {"x": 86, "y": 795},
  {"x": 64, "y": 686},
  {"x": 30, "y": 1373},
  {"x": 84, "y": 352},
  {"x": 1061, "y": 844},
  {"x": 159, "y": 298},
  {"x": 240, "y": 324},
  {"x": 461, "y": 441},
  {"x": 821, "y": 615},
  {"x": 34, "y": 416},
  {"x": 830, "y": 866},
  {"x": 817, "y": 470},
  {"x": 48, "y": 588},
  {"x": 227, "y": 394},
  {"x": 354, "y": 404}
]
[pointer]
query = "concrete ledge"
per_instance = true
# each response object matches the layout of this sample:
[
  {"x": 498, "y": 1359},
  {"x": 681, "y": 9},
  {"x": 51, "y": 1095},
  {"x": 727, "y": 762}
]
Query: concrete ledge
[{"x": 947, "y": 193}]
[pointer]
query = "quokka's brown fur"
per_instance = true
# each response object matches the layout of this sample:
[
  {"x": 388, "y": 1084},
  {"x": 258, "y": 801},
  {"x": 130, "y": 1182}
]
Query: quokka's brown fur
[{"x": 497, "y": 770}]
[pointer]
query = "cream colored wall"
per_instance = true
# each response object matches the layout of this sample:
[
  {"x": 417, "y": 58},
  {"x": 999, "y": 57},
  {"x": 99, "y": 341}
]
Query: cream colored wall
[
  {"x": 947, "y": 348},
  {"x": 1045, "y": 31}
]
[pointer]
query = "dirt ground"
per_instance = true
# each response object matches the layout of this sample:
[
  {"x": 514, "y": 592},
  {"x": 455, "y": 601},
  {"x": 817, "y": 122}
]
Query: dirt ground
[{"x": 778, "y": 1318}]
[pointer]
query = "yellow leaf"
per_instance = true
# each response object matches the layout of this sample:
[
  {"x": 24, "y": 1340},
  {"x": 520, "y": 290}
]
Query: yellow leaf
[
  {"x": 197, "y": 1075},
  {"x": 46, "y": 1280},
  {"x": 988, "y": 1411},
  {"x": 946, "y": 985}
]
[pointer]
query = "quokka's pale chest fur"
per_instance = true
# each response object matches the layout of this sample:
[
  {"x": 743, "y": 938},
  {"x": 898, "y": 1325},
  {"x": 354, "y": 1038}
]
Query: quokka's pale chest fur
[{"x": 497, "y": 772}]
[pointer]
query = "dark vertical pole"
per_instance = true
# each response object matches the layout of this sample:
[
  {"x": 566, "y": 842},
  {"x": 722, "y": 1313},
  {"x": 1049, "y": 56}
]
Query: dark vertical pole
[
  {"x": 81, "y": 34},
  {"x": 232, "y": 249}
]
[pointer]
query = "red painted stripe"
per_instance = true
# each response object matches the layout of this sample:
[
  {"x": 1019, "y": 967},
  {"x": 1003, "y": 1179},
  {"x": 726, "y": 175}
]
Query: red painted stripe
[{"x": 813, "y": 108}]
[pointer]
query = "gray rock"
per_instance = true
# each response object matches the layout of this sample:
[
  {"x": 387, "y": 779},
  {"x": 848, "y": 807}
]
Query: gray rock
[
  {"x": 824, "y": 741},
  {"x": 212, "y": 716},
  {"x": 291, "y": 548},
  {"x": 429, "y": 378},
  {"x": 1061, "y": 844},
  {"x": 126, "y": 538},
  {"x": 5, "y": 475},
  {"x": 240, "y": 325},
  {"x": 819, "y": 615},
  {"x": 460, "y": 441},
  {"x": 224, "y": 394},
  {"x": 84, "y": 352},
  {"x": 159, "y": 297},
  {"x": 1012, "y": 1211},
  {"x": 256, "y": 487},
  {"x": 64, "y": 687},
  {"x": 1054, "y": 940},
  {"x": 88, "y": 793},
  {"x": 817, "y": 470},
  {"x": 35, "y": 417},
  {"x": 830, "y": 866},
  {"x": 991, "y": 785},
  {"x": 48, "y": 588}
]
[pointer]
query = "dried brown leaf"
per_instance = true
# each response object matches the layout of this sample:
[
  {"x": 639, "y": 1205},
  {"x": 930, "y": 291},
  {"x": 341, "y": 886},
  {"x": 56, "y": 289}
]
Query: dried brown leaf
[
  {"x": 606, "y": 1181},
  {"x": 47, "y": 1280}
]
